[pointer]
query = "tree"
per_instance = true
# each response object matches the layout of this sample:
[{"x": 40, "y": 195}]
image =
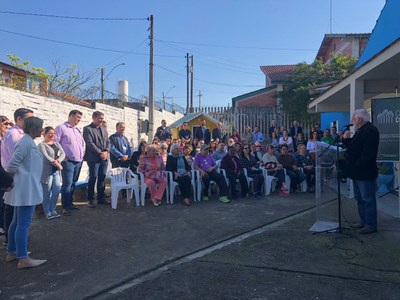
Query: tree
[
  {"x": 33, "y": 75},
  {"x": 65, "y": 81},
  {"x": 296, "y": 94}
]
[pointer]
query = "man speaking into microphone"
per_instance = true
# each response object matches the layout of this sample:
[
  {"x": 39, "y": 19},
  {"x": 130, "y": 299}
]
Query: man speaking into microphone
[{"x": 360, "y": 166}]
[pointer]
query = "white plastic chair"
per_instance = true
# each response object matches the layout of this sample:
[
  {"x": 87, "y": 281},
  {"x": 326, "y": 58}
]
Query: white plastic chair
[
  {"x": 123, "y": 178},
  {"x": 250, "y": 181},
  {"x": 269, "y": 182},
  {"x": 143, "y": 188},
  {"x": 172, "y": 185}
]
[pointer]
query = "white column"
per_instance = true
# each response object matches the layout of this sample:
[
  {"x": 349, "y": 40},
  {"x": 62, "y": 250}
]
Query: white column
[{"x": 356, "y": 95}]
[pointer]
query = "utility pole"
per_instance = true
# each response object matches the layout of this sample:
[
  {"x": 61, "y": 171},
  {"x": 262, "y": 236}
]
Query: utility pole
[
  {"x": 199, "y": 95},
  {"x": 163, "y": 100},
  {"x": 102, "y": 83},
  {"x": 191, "y": 84},
  {"x": 151, "y": 80},
  {"x": 187, "y": 84}
]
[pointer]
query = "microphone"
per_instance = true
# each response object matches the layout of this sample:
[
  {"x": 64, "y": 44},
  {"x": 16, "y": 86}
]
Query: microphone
[{"x": 348, "y": 126}]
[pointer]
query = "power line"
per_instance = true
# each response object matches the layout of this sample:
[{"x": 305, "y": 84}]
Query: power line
[
  {"x": 84, "y": 46},
  {"x": 72, "y": 17},
  {"x": 236, "y": 47},
  {"x": 207, "y": 81}
]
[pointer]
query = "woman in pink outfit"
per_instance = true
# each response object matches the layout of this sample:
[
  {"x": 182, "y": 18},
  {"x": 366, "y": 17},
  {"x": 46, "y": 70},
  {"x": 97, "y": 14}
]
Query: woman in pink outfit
[{"x": 151, "y": 164}]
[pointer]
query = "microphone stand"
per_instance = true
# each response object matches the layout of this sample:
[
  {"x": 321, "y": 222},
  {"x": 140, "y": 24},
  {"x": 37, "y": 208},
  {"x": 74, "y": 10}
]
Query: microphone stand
[{"x": 339, "y": 228}]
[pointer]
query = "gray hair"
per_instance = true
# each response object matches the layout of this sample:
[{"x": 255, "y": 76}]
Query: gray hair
[
  {"x": 174, "y": 146},
  {"x": 362, "y": 114}
]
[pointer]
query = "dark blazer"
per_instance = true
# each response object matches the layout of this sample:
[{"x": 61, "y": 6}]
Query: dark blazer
[
  {"x": 362, "y": 150},
  {"x": 206, "y": 137},
  {"x": 163, "y": 134},
  {"x": 292, "y": 131},
  {"x": 172, "y": 164},
  {"x": 96, "y": 140},
  {"x": 229, "y": 166},
  {"x": 217, "y": 134}
]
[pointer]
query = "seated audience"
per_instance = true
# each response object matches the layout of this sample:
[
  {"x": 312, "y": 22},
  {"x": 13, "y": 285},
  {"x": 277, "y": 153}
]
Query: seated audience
[
  {"x": 134, "y": 162},
  {"x": 286, "y": 140},
  {"x": 234, "y": 170},
  {"x": 205, "y": 163},
  {"x": 252, "y": 166},
  {"x": 187, "y": 150},
  {"x": 220, "y": 152},
  {"x": 177, "y": 164},
  {"x": 305, "y": 161},
  {"x": 274, "y": 168},
  {"x": 152, "y": 165},
  {"x": 289, "y": 163},
  {"x": 235, "y": 136}
]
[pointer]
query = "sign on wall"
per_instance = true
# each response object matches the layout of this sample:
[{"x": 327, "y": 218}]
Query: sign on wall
[{"x": 386, "y": 117}]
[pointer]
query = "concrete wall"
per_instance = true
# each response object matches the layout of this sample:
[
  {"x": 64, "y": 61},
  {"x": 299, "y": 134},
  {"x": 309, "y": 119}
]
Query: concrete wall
[{"x": 55, "y": 112}]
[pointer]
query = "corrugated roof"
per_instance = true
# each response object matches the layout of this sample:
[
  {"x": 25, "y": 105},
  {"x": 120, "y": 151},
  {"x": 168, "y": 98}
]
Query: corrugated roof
[{"x": 278, "y": 73}]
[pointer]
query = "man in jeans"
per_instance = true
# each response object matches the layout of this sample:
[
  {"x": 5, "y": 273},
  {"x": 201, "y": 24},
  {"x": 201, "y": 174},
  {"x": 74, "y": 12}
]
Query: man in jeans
[
  {"x": 96, "y": 154},
  {"x": 71, "y": 140}
]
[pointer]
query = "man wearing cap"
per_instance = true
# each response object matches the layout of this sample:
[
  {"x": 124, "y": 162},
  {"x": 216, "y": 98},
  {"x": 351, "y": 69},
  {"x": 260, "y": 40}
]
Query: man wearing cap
[{"x": 205, "y": 163}]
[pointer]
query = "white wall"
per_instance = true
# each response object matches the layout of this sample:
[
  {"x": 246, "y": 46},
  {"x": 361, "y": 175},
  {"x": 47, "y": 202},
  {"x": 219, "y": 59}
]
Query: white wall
[{"x": 55, "y": 112}]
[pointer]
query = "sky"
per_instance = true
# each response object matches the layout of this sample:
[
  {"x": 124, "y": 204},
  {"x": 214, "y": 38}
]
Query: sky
[{"x": 229, "y": 40}]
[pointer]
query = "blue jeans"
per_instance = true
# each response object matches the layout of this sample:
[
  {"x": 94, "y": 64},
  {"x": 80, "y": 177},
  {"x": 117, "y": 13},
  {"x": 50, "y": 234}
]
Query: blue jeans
[
  {"x": 51, "y": 190},
  {"x": 70, "y": 175},
  {"x": 18, "y": 231},
  {"x": 97, "y": 171},
  {"x": 364, "y": 193}
]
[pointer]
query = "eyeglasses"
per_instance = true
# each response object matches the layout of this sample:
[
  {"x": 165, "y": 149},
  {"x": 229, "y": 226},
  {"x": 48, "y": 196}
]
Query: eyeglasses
[
  {"x": 245, "y": 148},
  {"x": 164, "y": 148},
  {"x": 258, "y": 146},
  {"x": 7, "y": 124}
]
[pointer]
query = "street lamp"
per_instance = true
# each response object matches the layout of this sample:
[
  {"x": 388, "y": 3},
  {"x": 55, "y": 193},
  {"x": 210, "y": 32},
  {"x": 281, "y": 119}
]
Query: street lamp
[
  {"x": 164, "y": 96},
  {"x": 103, "y": 79}
]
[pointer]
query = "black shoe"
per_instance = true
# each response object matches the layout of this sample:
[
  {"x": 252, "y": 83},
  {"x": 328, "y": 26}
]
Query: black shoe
[
  {"x": 103, "y": 201},
  {"x": 90, "y": 204},
  {"x": 66, "y": 212},
  {"x": 367, "y": 230},
  {"x": 74, "y": 207}
]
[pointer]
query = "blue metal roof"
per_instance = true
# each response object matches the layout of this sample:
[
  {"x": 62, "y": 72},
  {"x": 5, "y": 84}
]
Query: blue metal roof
[{"x": 385, "y": 32}]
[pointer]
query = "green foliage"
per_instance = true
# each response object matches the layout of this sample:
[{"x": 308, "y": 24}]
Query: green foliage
[
  {"x": 296, "y": 94},
  {"x": 33, "y": 74}
]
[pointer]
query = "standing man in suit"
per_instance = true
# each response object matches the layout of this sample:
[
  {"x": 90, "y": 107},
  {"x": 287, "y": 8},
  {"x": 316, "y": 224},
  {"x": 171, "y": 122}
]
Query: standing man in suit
[
  {"x": 203, "y": 133},
  {"x": 71, "y": 140},
  {"x": 163, "y": 132},
  {"x": 96, "y": 153},
  {"x": 121, "y": 150},
  {"x": 217, "y": 132},
  {"x": 295, "y": 129}
]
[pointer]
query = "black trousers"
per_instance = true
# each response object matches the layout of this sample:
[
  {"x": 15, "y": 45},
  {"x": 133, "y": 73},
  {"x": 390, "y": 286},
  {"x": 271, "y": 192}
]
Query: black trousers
[
  {"x": 243, "y": 184},
  {"x": 185, "y": 185},
  {"x": 219, "y": 179},
  {"x": 8, "y": 216}
]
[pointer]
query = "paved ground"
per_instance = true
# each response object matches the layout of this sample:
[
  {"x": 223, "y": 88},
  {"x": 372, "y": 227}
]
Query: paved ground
[{"x": 249, "y": 249}]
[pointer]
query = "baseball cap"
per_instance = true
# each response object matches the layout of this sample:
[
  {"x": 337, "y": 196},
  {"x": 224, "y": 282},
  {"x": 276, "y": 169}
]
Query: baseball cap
[{"x": 204, "y": 147}]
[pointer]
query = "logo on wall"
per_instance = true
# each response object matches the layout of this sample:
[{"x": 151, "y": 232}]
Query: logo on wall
[{"x": 386, "y": 116}]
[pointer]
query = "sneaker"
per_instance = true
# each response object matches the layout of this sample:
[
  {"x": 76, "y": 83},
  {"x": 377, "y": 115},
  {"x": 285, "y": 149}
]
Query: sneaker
[
  {"x": 49, "y": 216},
  {"x": 283, "y": 193},
  {"x": 55, "y": 214},
  {"x": 66, "y": 212},
  {"x": 224, "y": 199},
  {"x": 205, "y": 198}
]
